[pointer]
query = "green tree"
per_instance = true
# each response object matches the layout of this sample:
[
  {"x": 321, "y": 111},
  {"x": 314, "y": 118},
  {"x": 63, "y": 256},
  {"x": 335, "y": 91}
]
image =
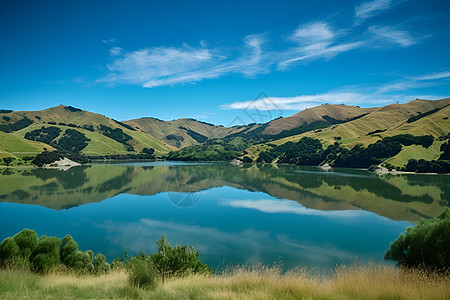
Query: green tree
[
  {"x": 9, "y": 251},
  {"x": 100, "y": 264},
  {"x": 7, "y": 160},
  {"x": 47, "y": 254},
  {"x": 177, "y": 261},
  {"x": 427, "y": 245},
  {"x": 27, "y": 241}
]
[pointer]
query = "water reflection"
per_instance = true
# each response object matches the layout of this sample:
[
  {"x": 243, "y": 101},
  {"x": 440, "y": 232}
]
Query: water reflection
[{"x": 398, "y": 197}]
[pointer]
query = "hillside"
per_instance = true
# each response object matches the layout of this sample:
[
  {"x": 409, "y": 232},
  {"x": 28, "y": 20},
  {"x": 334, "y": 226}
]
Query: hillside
[
  {"x": 180, "y": 133},
  {"x": 417, "y": 118},
  {"x": 101, "y": 135}
]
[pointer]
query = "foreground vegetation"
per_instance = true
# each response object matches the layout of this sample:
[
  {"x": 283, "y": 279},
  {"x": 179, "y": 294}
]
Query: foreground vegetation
[{"x": 355, "y": 282}]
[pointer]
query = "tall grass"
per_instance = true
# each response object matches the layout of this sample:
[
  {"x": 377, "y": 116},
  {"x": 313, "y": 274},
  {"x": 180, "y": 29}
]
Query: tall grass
[{"x": 255, "y": 282}]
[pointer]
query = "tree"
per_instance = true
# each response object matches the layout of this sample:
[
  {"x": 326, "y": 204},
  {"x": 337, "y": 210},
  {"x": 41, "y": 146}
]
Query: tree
[
  {"x": 7, "y": 160},
  {"x": 177, "y": 261},
  {"x": 427, "y": 245}
]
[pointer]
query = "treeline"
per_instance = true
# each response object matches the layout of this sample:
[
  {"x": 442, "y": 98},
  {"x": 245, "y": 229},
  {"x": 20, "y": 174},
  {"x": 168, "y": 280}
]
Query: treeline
[
  {"x": 421, "y": 115},
  {"x": 49, "y": 157},
  {"x": 118, "y": 135},
  {"x": 10, "y": 127},
  {"x": 72, "y": 140},
  {"x": 309, "y": 151},
  {"x": 213, "y": 150},
  {"x": 41, "y": 255},
  {"x": 147, "y": 153}
]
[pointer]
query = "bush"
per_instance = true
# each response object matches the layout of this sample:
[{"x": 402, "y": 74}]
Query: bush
[
  {"x": 100, "y": 264},
  {"x": 141, "y": 272},
  {"x": 46, "y": 255},
  {"x": 427, "y": 245},
  {"x": 9, "y": 251},
  {"x": 27, "y": 241},
  {"x": 177, "y": 261}
]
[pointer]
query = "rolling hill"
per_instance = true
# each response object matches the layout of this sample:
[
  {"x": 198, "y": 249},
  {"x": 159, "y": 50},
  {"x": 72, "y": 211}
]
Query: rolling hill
[
  {"x": 27, "y": 133},
  {"x": 181, "y": 133},
  {"x": 417, "y": 118},
  {"x": 102, "y": 135}
]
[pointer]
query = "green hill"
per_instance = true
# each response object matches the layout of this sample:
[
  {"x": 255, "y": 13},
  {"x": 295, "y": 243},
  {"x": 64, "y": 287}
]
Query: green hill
[
  {"x": 181, "y": 133},
  {"x": 417, "y": 118},
  {"x": 102, "y": 135}
]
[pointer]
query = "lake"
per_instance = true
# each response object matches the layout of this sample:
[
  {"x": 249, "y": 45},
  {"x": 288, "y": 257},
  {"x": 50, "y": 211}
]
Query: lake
[{"x": 296, "y": 216}]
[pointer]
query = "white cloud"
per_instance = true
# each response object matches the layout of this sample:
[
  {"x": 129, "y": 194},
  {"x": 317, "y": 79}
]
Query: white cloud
[
  {"x": 306, "y": 101},
  {"x": 372, "y": 8},
  {"x": 319, "y": 50},
  {"x": 162, "y": 66},
  {"x": 354, "y": 95},
  {"x": 159, "y": 66},
  {"x": 108, "y": 41},
  {"x": 313, "y": 33},
  {"x": 415, "y": 82},
  {"x": 434, "y": 76},
  {"x": 115, "y": 51},
  {"x": 315, "y": 41},
  {"x": 391, "y": 35}
]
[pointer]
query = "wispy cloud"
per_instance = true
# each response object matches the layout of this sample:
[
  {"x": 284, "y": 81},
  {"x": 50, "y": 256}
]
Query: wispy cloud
[
  {"x": 108, "y": 41},
  {"x": 314, "y": 41},
  {"x": 115, "y": 51},
  {"x": 372, "y": 8},
  {"x": 159, "y": 66},
  {"x": 415, "y": 82},
  {"x": 391, "y": 35},
  {"x": 317, "y": 40},
  {"x": 393, "y": 91}
]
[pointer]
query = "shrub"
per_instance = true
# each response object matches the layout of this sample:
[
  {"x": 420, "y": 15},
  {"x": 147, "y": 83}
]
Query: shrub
[
  {"x": 141, "y": 272},
  {"x": 9, "y": 251},
  {"x": 27, "y": 241},
  {"x": 100, "y": 264},
  {"x": 177, "y": 261},
  {"x": 427, "y": 245},
  {"x": 47, "y": 254}
]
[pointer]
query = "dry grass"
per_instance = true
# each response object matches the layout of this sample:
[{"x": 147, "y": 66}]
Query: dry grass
[{"x": 348, "y": 282}]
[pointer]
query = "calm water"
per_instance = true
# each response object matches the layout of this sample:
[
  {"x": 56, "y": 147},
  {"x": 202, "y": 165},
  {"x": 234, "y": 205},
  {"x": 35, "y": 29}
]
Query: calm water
[{"x": 233, "y": 215}]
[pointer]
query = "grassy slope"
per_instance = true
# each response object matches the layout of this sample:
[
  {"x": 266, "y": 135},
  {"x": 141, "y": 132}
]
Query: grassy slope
[
  {"x": 161, "y": 129},
  {"x": 356, "y": 282},
  {"x": 391, "y": 117},
  {"x": 339, "y": 112},
  {"x": 99, "y": 144},
  {"x": 17, "y": 147}
]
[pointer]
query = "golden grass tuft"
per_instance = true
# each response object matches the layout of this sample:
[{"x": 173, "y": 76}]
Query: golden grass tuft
[{"x": 372, "y": 281}]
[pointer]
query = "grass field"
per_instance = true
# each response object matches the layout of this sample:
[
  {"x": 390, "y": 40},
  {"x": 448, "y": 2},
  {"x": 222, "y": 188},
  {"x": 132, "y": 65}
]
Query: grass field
[{"x": 354, "y": 282}]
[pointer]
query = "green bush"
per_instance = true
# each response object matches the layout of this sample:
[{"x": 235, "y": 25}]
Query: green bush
[
  {"x": 427, "y": 245},
  {"x": 9, "y": 251},
  {"x": 177, "y": 261},
  {"x": 73, "y": 258},
  {"x": 100, "y": 264},
  {"x": 27, "y": 241},
  {"x": 141, "y": 272},
  {"x": 47, "y": 254}
]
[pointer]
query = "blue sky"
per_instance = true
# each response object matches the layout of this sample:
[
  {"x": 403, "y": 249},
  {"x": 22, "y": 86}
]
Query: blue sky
[{"x": 210, "y": 60}]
